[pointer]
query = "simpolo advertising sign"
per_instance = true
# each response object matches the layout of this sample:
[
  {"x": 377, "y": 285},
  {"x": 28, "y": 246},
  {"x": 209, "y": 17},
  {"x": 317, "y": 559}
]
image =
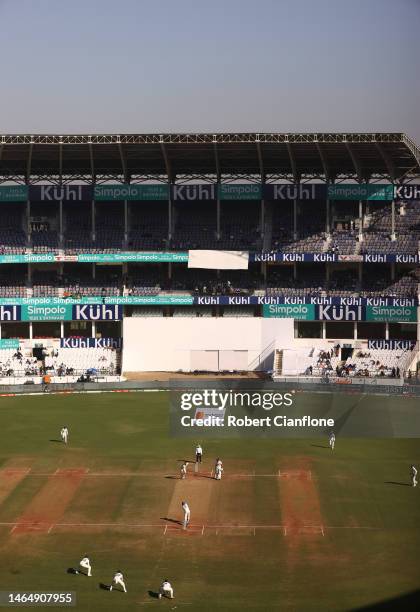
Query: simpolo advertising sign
[
  {"x": 34, "y": 312},
  {"x": 302, "y": 312},
  {"x": 402, "y": 314},
  {"x": 360, "y": 192},
  {"x": 240, "y": 192},
  {"x": 14, "y": 193},
  {"x": 9, "y": 343},
  {"x": 65, "y": 312},
  {"x": 131, "y": 192},
  {"x": 145, "y": 257}
]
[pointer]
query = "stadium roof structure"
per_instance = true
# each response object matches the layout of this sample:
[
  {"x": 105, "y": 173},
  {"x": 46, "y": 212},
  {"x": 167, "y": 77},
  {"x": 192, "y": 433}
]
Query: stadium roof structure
[{"x": 226, "y": 157}]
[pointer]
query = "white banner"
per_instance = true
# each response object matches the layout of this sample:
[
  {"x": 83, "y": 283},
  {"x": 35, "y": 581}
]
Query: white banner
[{"x": 218, "y": 260}]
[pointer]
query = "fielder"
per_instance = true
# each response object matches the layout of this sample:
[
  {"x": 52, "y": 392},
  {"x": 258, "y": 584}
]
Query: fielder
[
  {"x": 166, "y": 590},
  {"x": 414, "y": 476},
  {"x": 184, "y": 470},
  {"x": 332, "y": 440},
  {"x": 187, "y": 514},
  {"x": 64, "y": 433},
  {"x": 85, "y": 563},
  {"x": 118, "y": 579},
  {"x": 218, "y": 470}
]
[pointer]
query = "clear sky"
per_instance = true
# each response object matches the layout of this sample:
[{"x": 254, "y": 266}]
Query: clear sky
[{"x": 209, "y": 65}]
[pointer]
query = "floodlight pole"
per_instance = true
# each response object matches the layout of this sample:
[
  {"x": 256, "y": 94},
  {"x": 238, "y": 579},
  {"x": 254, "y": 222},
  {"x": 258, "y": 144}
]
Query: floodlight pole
[
  {"x": 327, "y": 175},
  {"x": 295, "y": 173},
  {"x": 92, "y": 204},
  {"x": 28, "y": 202},
  {"x": 327, "y": 218},
  {"x": 219, "y": 180},
  {"x": 359, "y": 172},
  {"x": 60, "y": 223},
  {"x": 93, "y": 219},
  {"x": 28, "y": 222},
  {"x": 170, "y": 183},
  {"x": 262, "y": 174},
  {"x": 125, "y": 223},
  {"x": 126, "y": 179},
  {"x": 393, "y": 236},
  {"x": 60, "y": 204}
]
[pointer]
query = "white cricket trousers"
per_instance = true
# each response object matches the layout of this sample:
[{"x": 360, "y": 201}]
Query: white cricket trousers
[
  {"x": 121, "y": 583},
  {"x": 86, "y": 566},
  {"x": 167, "y": 592}
]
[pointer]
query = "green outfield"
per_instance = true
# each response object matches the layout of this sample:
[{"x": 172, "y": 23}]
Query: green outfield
[{"x": 291, "y": 526}]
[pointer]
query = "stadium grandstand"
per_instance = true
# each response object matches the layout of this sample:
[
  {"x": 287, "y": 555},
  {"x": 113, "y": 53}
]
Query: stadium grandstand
[{"x": 293, "y": 255}]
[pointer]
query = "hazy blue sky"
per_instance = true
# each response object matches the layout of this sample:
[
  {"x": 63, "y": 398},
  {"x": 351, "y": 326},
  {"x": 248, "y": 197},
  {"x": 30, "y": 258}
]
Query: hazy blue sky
[{"x": 215, "y": 65}]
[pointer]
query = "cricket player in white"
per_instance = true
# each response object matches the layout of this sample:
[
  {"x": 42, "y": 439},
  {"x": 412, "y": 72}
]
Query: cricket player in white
[
  {"x": 187, "y": 513},
  {"x": 332, "y": 440},
  {"x": 414, "y": 475},
  {"x": 118, "y": 579},
  {"x": 218, "y": 470},
  {"x": 166, "y": 590},
  {"x": 85, "y": 563},
  {"x": 184, "y": 470},
  {"x": 64, "y": 433},
  {"x": 198, "y": 453}
]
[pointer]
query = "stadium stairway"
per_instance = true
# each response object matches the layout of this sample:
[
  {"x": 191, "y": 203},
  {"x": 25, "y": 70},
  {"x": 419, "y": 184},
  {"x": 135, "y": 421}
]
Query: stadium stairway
[{"x": 278, "y": 362}]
